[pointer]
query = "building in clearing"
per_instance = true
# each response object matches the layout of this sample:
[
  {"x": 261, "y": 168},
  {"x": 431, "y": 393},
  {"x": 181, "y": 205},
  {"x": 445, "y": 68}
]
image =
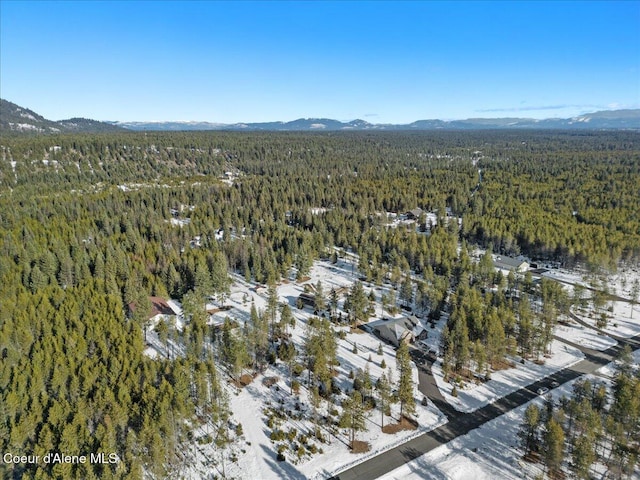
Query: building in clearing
[
  {"x": 160, "y": 310},
  {"x": 397, "y": 330},
  {"x": 509, "y": 263},
  {"x": 414, "y": 214},
  {"x": 308, "y": 299}
]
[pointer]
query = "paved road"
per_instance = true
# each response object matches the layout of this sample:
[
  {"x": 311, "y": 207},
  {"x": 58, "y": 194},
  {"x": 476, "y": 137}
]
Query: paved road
[
  {"x": 427, "y": 384},
  {"x": 461, "y": 423}
]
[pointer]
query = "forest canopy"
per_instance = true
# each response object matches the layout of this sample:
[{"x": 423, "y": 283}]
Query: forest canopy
[{"x": 92, "y": 223}]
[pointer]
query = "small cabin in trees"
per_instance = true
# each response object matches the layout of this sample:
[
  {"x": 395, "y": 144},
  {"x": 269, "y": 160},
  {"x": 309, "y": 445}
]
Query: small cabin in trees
[
  {"x": 414, "y": 214},
  {"x": 504, "y": 262},
  {"x": 160, "y": 310}
]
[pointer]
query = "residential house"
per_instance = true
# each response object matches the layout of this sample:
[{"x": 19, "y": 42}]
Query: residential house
[
  {"x": 504, "y": 262},
  {"x": 414, "y": 214},
  {"x": 397, "y": 330},
  {"x": 160, "y": 310},
  {"x": 308, "y": 299}
]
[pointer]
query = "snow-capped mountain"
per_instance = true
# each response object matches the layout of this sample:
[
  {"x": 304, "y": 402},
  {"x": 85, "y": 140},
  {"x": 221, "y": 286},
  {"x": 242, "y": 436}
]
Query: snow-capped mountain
[
  {"x": 19, "y": 119},
  {"x": 14, "y": 118}
]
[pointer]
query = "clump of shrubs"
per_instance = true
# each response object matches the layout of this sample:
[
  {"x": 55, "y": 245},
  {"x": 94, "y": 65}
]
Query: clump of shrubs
[{"x": 281, "y": 450}]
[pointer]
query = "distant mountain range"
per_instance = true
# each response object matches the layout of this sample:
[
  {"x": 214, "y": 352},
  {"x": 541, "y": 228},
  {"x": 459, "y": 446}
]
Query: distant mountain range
[
  {"x": 19, "y": 119},
  {"x": 614, "y": 119}
]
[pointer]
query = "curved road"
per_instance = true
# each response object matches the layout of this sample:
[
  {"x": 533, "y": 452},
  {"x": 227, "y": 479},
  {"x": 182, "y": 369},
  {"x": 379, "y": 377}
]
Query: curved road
[{"x": 461, "y": 423}]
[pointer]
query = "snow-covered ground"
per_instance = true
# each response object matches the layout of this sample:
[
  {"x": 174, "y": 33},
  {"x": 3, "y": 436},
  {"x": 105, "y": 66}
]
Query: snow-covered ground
[
  {"x": 584, "y": 336},
  {"x": 488, "y": 452},
  {"x": 255, "y": 453},
  {"x": 619, "y": 321},
  {"x": 504, "y": 382},
  {"x": 565, "y": 276},
  {"x": 623, "y": 282},
  {"x": 620, "y": 283},
  {"x": 260, "y": 458}
]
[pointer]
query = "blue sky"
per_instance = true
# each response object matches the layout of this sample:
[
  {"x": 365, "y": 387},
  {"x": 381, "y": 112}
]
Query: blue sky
[{"x": 385, "y": 62}]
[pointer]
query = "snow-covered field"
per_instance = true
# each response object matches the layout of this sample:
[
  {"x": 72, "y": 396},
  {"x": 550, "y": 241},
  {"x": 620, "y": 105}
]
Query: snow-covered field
[
  {"x": 565, "y": 276},
  {"x": 584, "y": 336},
  {"x": 486, "y": 453},
  {"x": 619, "y": 321},
  {"x": 620, "y": 283},
  {"x": 504, "y": 382}
]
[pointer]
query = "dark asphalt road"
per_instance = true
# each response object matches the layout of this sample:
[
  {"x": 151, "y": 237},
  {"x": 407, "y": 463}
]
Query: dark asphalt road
[{"x": 461, "y": 423}]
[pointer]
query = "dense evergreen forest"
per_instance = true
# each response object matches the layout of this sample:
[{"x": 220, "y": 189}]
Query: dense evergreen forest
[{"x": 92, "y": 223}]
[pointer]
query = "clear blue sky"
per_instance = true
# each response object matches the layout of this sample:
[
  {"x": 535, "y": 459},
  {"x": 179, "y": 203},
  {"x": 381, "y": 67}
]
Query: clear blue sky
[{"x": 259, "y": 61}]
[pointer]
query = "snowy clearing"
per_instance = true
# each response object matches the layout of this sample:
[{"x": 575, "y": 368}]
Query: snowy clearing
[
  {"x": 584, "y": 336},
  {"x": 619, "y": 321},
  {"x": 254, "y": 455},
  {"x": 504, "y": 382},
  {"x": 488, "y": 452}
]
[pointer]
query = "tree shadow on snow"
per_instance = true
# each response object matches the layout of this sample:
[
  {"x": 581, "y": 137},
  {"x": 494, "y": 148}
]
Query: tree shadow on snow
[
  {"x": 425, "y": 470},
  {"x": 282, "y": 469}
]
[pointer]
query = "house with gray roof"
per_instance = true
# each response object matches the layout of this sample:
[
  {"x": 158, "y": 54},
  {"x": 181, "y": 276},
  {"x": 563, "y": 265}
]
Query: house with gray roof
[
  {"x": 504, "y": 262},
  {"x": 397, "y": 330}
]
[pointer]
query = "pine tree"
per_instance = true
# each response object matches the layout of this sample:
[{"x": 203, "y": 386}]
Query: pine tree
[
  {"x": 272, "y": 308},
  {"x": 405, "y": 381},
  {"x": 162, "y": 329},
  {"x": 635, "y": 292},
  {"x": 141, "y": 310},
  {"x": 333, "y": 302},
  {"x": 525, "y": 327},
  {"x": 286, "y": 317},
  {"x": 259, "y": 336},
  {"x": 583, "y": 456},
  {"x": 234, "y": 350},
  {"x": 496, "y": 341},
  {"x": 203, "y": 285},
  {"x": 358, "y": 304},
  {"x": 353, "y": 415},
  {"x": 529, "y": 429},
  {"x": 287, "y": 353},
  {"x": 553, "y": 445},
  {"x": 406, "y": 290},
  {"x": 458, "y": 343},
  {"x": 485, "y": 267},
  {"x": 320, "y": 300},
  {"x": 384, "y": 397},
  {"x": 194, "y": 310},
  {"x": 303, "y": 263},
  {"x": 220, "y": 280}
]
